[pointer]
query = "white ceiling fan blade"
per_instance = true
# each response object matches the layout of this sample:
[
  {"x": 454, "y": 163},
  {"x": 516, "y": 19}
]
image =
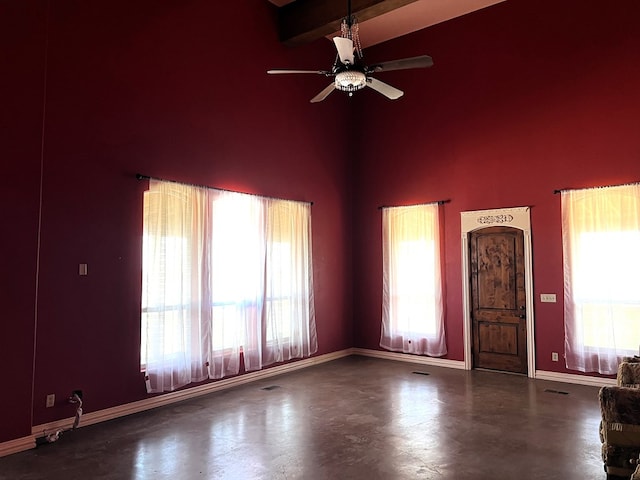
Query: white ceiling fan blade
[
  {"x": 321, "y": 72},
  {"x": 324, "y": 93},
  {"x": 386, "y": 90},
  {"x": 345, "y": 49}
]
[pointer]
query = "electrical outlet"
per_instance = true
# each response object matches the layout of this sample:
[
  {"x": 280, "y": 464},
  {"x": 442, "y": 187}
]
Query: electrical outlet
[
  {"x": 554, "y": 356},
  {"x": 51, "y": 400}
]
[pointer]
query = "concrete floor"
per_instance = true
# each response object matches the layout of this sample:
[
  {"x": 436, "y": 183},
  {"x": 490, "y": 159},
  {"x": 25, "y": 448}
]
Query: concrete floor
[{"x": 353, "y": 418}]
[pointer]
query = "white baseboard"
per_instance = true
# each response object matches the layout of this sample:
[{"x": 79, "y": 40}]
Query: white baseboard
[
  {"x": 26, "y": 443},
  {"x": 403, "y": 357},
  {"x": 576, "y": 379},
  {"x": 441, "y": 362},
  {"x": 173, "y": 397},
  {"x": 17, "y": 445}
]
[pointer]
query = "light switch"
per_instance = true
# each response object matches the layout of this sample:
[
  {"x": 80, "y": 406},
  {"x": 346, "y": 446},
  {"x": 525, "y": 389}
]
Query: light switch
[
  {"x": 548, "y": 297},
  {"x": 82, "y": 269}
]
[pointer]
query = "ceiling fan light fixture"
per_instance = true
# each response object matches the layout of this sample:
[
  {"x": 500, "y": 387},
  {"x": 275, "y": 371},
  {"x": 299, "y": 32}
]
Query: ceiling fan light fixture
[{"x": 350, "y": 80}]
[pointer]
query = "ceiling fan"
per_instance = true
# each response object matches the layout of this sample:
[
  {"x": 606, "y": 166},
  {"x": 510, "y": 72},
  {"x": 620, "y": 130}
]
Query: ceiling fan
[{"x": 348, "y": 71}]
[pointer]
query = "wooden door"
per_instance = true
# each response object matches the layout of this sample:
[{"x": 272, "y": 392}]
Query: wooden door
[{"x": 498, "y": 297}]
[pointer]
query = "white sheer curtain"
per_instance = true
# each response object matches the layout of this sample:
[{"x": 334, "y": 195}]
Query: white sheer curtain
[
  {"x": 601, "y": 247},
  {"x": 225, "y": 274},
  {"x": 289, "y": 316},
  {"x": 175, "y": 303},
  {"x": 412, "y": 306},
  {"x": 237, "y": 261}
]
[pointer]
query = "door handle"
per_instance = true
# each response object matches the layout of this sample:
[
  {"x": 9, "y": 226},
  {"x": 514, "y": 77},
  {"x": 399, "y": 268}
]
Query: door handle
[{"x": 522, "y": 316}]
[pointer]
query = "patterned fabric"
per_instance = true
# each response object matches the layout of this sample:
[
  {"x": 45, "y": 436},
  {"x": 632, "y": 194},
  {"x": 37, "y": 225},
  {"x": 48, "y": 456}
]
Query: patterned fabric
[
  {"x": 629, "y": 373},
  {"x": 620, "y": 429}
]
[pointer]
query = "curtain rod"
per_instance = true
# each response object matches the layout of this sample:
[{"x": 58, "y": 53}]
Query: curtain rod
[
  {"x": 555, "y": 192},
  {"x": 140, "y": 176},
  {"x": 439, "y": 202}
]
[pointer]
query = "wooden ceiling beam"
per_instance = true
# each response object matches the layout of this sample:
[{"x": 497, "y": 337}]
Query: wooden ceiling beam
[{"x": 304, "y": 21}]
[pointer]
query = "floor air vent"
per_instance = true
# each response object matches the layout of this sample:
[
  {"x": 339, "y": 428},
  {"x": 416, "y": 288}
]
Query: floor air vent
[
  {"x": 559, "y": 392},
  {"x": 271, "y": 387}
]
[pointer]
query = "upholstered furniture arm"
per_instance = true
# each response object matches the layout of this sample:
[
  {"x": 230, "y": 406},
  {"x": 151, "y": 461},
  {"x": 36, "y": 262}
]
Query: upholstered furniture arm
[
  {"x": 629, "y": 374},
  {"x": 620, "y": 429}
]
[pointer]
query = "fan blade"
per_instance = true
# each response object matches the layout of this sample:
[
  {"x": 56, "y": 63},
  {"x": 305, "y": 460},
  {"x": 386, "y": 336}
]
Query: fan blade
[
  {"x": 422, "y": 61},
  {"x": 345, "y": 49},
  {"x": 324, "y": 93},
  {"x": 386, "y": 90},
  {"x": 319, "y": 72}
]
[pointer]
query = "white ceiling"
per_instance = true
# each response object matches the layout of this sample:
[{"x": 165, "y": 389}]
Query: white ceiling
[{"x": 410, "y": 18}]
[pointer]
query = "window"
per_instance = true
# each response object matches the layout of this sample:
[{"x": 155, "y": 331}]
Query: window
[
  {"x": 224, "y": 273},
  {"x": 412, "y": 312},
  {"x": 601, "y": 239}
]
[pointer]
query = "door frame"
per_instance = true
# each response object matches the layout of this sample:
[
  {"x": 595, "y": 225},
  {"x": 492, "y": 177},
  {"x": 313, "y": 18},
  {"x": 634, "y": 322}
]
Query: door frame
[{"x": 516, "y": 217}]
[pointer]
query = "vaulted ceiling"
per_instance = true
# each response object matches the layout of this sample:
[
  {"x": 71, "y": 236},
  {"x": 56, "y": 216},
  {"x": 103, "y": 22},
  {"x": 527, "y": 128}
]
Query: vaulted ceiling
[{"x": 303, "y": 21}]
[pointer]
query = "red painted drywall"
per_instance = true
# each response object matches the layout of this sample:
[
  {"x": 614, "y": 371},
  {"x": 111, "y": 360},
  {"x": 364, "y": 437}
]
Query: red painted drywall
[
  {"x": 525, "y": 97},
  {"x": 175, "y": 90},
  {"x": 21, "y": 97}
]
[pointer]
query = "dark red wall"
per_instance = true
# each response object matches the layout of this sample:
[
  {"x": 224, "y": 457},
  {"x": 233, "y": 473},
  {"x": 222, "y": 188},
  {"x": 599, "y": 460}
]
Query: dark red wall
[
  {"x": 21, "y": 100},
  {"x": 525, "y": 97},
  {"x": 172, "y": 89}
]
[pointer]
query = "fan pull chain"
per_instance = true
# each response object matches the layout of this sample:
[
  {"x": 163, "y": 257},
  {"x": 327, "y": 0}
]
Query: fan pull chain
[
  {"x": 356, "y": 39},
  {"x": 349, "y": 29}
]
